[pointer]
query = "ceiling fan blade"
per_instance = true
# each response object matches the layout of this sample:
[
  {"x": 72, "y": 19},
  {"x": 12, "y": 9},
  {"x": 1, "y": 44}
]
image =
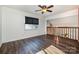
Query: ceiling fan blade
[
  {"x": 40, "y": 6},
  {"x": 49, "y": 10},
  {"x": 37, "y": 10},
  {"x": 50, "y": 6}
]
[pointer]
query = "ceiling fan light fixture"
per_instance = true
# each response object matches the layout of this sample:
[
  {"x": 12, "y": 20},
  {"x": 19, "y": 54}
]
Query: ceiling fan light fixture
[{"x": 44, "y": 10}]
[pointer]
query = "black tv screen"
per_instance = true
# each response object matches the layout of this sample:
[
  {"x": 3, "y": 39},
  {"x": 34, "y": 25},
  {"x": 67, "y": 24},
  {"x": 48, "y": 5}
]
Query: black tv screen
[{"x": 31, "y": 20}]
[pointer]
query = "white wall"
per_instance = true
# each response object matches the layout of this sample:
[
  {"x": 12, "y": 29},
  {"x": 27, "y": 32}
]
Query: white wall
[
  {"x": 68, "y": 18},
  {"x": 0, "y": 26},
  {"x": 13, "y": 25},
  {"x": 66, "y": 21}
]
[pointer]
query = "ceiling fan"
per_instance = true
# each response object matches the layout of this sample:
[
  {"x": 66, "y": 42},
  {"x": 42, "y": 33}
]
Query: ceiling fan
[{"x": 45, "y": 8}]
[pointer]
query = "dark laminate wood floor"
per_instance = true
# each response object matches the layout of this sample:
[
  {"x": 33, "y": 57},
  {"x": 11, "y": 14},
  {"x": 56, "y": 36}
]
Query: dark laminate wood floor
[
  {"x": 35, "y": 44},
  {"x": 25, "y": 46}
]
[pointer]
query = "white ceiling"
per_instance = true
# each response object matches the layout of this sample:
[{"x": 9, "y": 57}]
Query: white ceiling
[{"x": 56, "y": 9}]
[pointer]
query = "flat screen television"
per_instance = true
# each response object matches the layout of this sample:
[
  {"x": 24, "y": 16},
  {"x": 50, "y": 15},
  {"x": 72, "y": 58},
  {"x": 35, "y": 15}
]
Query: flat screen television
[{"x": 31, "y": 20}]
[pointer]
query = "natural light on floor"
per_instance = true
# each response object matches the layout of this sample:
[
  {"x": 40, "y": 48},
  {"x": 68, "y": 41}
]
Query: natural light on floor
[{"x": 51, "y": 50}]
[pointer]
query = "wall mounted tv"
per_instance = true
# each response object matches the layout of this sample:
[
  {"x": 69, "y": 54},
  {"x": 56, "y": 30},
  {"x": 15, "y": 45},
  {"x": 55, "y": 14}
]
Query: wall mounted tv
[{"x": 31, "y": 20}]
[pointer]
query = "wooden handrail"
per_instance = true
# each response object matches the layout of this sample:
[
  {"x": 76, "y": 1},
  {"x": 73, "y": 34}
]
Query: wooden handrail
[{"x": 62, "y": 27}]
